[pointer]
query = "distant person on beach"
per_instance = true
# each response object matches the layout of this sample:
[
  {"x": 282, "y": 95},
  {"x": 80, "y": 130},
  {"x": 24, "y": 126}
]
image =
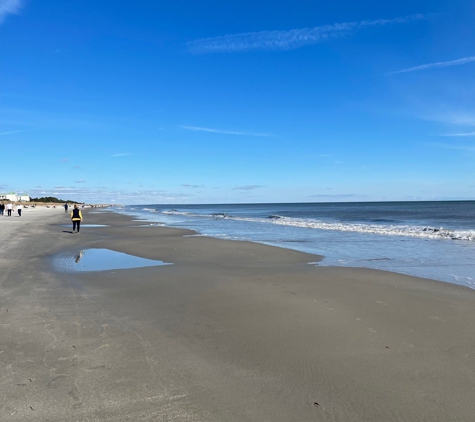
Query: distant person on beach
[
  {"x": 2, "y": 208},
  {"x": 76, "y": 218},
  {"x": 65, "y": 207},
  {"x": 18, "y": 209},
  {"x": 9, "y": 209}
]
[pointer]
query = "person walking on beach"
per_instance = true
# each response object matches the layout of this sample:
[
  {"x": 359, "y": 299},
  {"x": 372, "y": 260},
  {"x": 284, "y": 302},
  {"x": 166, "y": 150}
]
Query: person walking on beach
[
  {"x": 65, "y": 207},
  {"x": 18, "y": 209},
  {"x": 76, "y": 218},
  {"x": 2, "y": 208},
  {"x": 9, "y": 209}
]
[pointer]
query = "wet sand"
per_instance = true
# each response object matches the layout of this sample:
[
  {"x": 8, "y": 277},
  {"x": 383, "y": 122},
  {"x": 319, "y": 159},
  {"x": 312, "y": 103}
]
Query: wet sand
[{"x": 232, "y": 331}]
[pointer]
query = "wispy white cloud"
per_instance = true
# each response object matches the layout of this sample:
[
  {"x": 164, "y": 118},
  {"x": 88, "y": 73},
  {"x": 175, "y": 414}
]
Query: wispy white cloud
[
  {"x": 251, "y": 187},
  {"x": 11, "y": 132},
  {"x": 457, "y": 62},
  {"x": 224, "y": 132},
  {"x": 79, "y": 181},
  {"x": 285, "y": 40},
  {"x": 193, "y": 186},
  {"x": 124, "y": 154},
  {"x": 103, "y": 194},
  {"x": 9, "y": 7},
  {"x": 449, "y": 116},
  {"x": 460, "y": 134}
]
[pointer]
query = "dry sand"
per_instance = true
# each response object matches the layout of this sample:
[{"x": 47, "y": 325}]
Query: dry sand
[{"x": 232, "y": 331}]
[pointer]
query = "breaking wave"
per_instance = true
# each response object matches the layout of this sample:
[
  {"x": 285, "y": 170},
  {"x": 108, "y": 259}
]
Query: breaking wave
[
  {"x": 383, "y": 226},
  {"x": 391, "y": 230}
]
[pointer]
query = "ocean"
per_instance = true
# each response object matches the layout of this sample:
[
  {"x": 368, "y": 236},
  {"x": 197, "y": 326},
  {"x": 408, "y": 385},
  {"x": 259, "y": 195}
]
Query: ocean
[{"x": 433, "y": 240}]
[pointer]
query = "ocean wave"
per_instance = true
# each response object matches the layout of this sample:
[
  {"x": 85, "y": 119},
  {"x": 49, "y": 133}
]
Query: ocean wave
[
  {"x": 380, "y": 229},
  {"x": 465, "y": 281},
  {"x": 175, "y": 212},
  {"x": 392, "y": 230},
  {"x": 387, "y": 230}
]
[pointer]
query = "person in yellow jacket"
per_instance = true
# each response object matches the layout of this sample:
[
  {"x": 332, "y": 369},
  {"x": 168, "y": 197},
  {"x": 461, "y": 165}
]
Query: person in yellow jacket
[{"x": 76, "y": 218}]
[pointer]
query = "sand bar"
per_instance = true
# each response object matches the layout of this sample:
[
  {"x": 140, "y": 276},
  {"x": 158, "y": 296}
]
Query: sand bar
[{"x": 232, "y": 331}]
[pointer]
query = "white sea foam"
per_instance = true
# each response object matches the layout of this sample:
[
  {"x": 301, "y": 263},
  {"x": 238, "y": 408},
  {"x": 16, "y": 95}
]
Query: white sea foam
[
  {"x": 411, "y": 243},
  {"x": 381, "y": 229},
  {"x": 389, "y": 230},
  {"x": 174, "y": 212},
  {"x": 464, "y": 281}
]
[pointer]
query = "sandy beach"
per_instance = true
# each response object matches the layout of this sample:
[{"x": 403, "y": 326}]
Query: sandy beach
[{"x": 232, "y": 331}]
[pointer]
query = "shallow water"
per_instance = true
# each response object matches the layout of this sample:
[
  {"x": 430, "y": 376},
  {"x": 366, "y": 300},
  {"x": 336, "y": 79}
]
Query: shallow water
[
  {"x": 86, "y": 225},
  {"x": 426, "y": 239},
  {"x": 149, "y": 225},
  {"x": 102, "y": 260}
]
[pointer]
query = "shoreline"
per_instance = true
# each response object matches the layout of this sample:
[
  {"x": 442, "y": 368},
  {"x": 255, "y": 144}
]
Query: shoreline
[
  {"x": 334, "y": 251},
  {"x": 232, "y": 331}
]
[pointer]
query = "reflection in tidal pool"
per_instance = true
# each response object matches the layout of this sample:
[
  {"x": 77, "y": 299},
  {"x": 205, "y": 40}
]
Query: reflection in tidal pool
[
  {"x": 87, "y": 225},
  {"x": 102, "y": 260}
]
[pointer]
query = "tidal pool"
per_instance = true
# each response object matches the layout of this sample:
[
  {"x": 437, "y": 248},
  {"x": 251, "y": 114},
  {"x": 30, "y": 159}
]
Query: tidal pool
[
  {"x": 103, "y": 260},
  {"x": 86, "y": 225}
]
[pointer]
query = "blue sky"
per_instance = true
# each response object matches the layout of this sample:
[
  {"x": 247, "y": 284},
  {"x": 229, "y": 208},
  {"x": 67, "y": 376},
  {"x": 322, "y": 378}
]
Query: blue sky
[{"x": 239, "y": 101}]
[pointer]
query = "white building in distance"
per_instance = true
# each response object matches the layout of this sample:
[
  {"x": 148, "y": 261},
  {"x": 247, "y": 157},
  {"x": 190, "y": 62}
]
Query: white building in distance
[{"x": 14, "y": 197}]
